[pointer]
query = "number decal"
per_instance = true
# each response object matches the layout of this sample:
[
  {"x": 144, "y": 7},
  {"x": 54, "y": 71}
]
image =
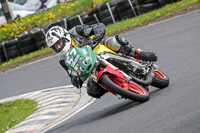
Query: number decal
[{"x": 71, "y": 56}]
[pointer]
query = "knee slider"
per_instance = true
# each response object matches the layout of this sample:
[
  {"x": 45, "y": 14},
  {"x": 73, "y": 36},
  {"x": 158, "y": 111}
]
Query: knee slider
[{"x": 121, "y": 40}]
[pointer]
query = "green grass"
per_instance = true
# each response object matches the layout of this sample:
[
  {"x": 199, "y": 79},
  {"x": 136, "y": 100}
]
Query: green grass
[
  {"x": 12, "y": 113},
  {"x": 118, "y": 26}
]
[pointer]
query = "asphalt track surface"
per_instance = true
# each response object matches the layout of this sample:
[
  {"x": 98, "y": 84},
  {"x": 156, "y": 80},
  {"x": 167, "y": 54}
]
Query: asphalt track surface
[{"x": 175, "y": 109}]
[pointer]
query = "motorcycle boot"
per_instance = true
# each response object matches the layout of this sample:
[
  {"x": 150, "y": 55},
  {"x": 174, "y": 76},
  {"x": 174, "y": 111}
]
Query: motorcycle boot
[{"x": 145, "y": 56}]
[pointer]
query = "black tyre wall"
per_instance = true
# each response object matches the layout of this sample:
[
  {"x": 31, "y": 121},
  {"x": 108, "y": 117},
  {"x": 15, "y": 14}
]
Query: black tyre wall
[
  {"x": 146, "y": 8},
  {"x": 94, "y": 11},
  {"x": 1, "y": 49},
  {"x": 59, "y": 22},
  {"x": 165, "y": 2},
  {"x": 46, "y": 28},
  {"x": 124, "y": 9},
  {"x": 143, "y": 2},
  {"x": 12, "y": 49},
  {"x": 39, "y": 37},
  {"x": 91, "y": 19},
  {"x": 26, "y": 42},
  {"x": 2, "y": 54},
  {"x": 9, "y": 49},
  {"x": 109, "y": 19},
  {"x": 75, "y": 20},
  {"x": 106, "y": 18},
  {"x": 105, "y": 7}
]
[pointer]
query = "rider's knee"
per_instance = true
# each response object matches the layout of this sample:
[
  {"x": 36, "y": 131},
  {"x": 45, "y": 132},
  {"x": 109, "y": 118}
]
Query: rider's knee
[{"x": 115, "y": 42}]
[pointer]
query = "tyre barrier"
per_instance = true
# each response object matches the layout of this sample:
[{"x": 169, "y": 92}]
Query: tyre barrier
[
  {"x": 27, "y": 42},
  {"x": 126, "y": 9},
  {"x": 9, "y": 49},
  {"x": 76, "y": 20},
  {"x": 92, "y": 19},
  {"x": 107, "y": 13},
  {"x": 147, "y": 8},
  {"x": 39, "y": 37}
]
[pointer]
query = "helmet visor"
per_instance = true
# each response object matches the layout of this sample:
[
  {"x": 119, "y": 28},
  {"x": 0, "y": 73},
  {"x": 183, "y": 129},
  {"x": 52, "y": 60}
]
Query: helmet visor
[{"x": 59, "y": 45}]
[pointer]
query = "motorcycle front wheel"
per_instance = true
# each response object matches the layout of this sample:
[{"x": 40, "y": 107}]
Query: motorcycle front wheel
[
  {"x": 160, "y": 80},
  {"x": 130, "y": 90}
]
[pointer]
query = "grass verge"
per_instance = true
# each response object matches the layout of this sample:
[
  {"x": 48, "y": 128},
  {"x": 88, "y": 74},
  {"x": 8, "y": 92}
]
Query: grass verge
[
  {"x": 12, "y": 113},
  {"x": 118, "y": 28}
]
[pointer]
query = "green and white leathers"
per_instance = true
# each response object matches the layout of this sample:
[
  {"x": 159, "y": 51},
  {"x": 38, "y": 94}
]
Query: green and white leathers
[{"x": 80, "y": 61}]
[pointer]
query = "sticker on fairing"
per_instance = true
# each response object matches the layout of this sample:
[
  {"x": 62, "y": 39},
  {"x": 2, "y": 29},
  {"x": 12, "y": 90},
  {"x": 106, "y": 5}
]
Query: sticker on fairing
[
  {"x": 84, "y": 51},
  {"x": 70, "y": 57},
  {"x": 79, "y": 72},
  {"x": 87, "y": 58},
  {"x": 76, "y": 68},
  {"x": 74, "y": 73},
  {"x": 75, "y": 60}
]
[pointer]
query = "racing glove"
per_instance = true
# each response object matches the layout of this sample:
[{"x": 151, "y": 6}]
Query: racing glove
[
  {"x": 98, "y": 37},
  {"x": 76, "y": 82}
]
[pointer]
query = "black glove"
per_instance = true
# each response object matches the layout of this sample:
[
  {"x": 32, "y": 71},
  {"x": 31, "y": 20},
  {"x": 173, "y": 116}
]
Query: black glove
[
  {"x": 98, "y": 37},
  {"x": 148, "y": 56},
  {"x": 76, "y": 82}
]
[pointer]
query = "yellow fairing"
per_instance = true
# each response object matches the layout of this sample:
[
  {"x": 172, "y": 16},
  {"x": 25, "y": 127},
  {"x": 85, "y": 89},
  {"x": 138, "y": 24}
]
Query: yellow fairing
[{"x": 102, "y": 48}]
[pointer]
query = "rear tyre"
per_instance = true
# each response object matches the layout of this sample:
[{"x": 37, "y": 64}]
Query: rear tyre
[
  {"x": 161, "y": 80},
  {"x": 129, "y": 90}
]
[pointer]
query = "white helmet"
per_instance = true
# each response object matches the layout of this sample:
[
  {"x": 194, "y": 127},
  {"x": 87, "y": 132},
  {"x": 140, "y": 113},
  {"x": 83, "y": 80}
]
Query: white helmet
[{"x": 57, "y": 35}]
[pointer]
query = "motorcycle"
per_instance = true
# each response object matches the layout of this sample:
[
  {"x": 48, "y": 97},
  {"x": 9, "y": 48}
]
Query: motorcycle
[{"x": 119, "y": 74}]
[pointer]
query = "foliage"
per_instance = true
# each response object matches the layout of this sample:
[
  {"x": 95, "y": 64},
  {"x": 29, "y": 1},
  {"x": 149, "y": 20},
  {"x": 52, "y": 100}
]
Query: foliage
[{"x": 12, "y": 113}]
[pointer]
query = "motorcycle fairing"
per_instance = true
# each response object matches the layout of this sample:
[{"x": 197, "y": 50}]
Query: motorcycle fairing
[{"x": 81, "y": 61}]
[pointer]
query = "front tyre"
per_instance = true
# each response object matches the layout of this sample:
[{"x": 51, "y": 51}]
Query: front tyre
[
  {"x": 160, "y": 80},
  {"x": 129, "y": 90}
]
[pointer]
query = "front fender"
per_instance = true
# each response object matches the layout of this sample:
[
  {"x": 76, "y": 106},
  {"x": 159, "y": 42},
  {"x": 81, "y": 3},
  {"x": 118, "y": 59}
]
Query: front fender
[{"x": 110, "y": 70}]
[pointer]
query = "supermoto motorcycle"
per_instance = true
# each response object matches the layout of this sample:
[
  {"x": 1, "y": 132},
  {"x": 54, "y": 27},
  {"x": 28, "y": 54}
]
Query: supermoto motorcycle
[{"x": 121, "y": 75}]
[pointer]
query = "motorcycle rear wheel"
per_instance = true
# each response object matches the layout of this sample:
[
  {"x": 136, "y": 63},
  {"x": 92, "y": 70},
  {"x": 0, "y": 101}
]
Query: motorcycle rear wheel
[
  {"x": 160, "y": 80},
  {"x": 120, "y": 86}
]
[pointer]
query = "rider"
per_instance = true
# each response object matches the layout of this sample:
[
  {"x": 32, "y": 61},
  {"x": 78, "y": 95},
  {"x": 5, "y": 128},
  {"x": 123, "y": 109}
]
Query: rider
[{"x": 61, "y": 40}]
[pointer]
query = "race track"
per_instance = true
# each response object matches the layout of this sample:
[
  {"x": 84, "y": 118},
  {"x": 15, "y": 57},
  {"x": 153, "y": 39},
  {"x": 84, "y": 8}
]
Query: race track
[{"x": 175, "y": 109}]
